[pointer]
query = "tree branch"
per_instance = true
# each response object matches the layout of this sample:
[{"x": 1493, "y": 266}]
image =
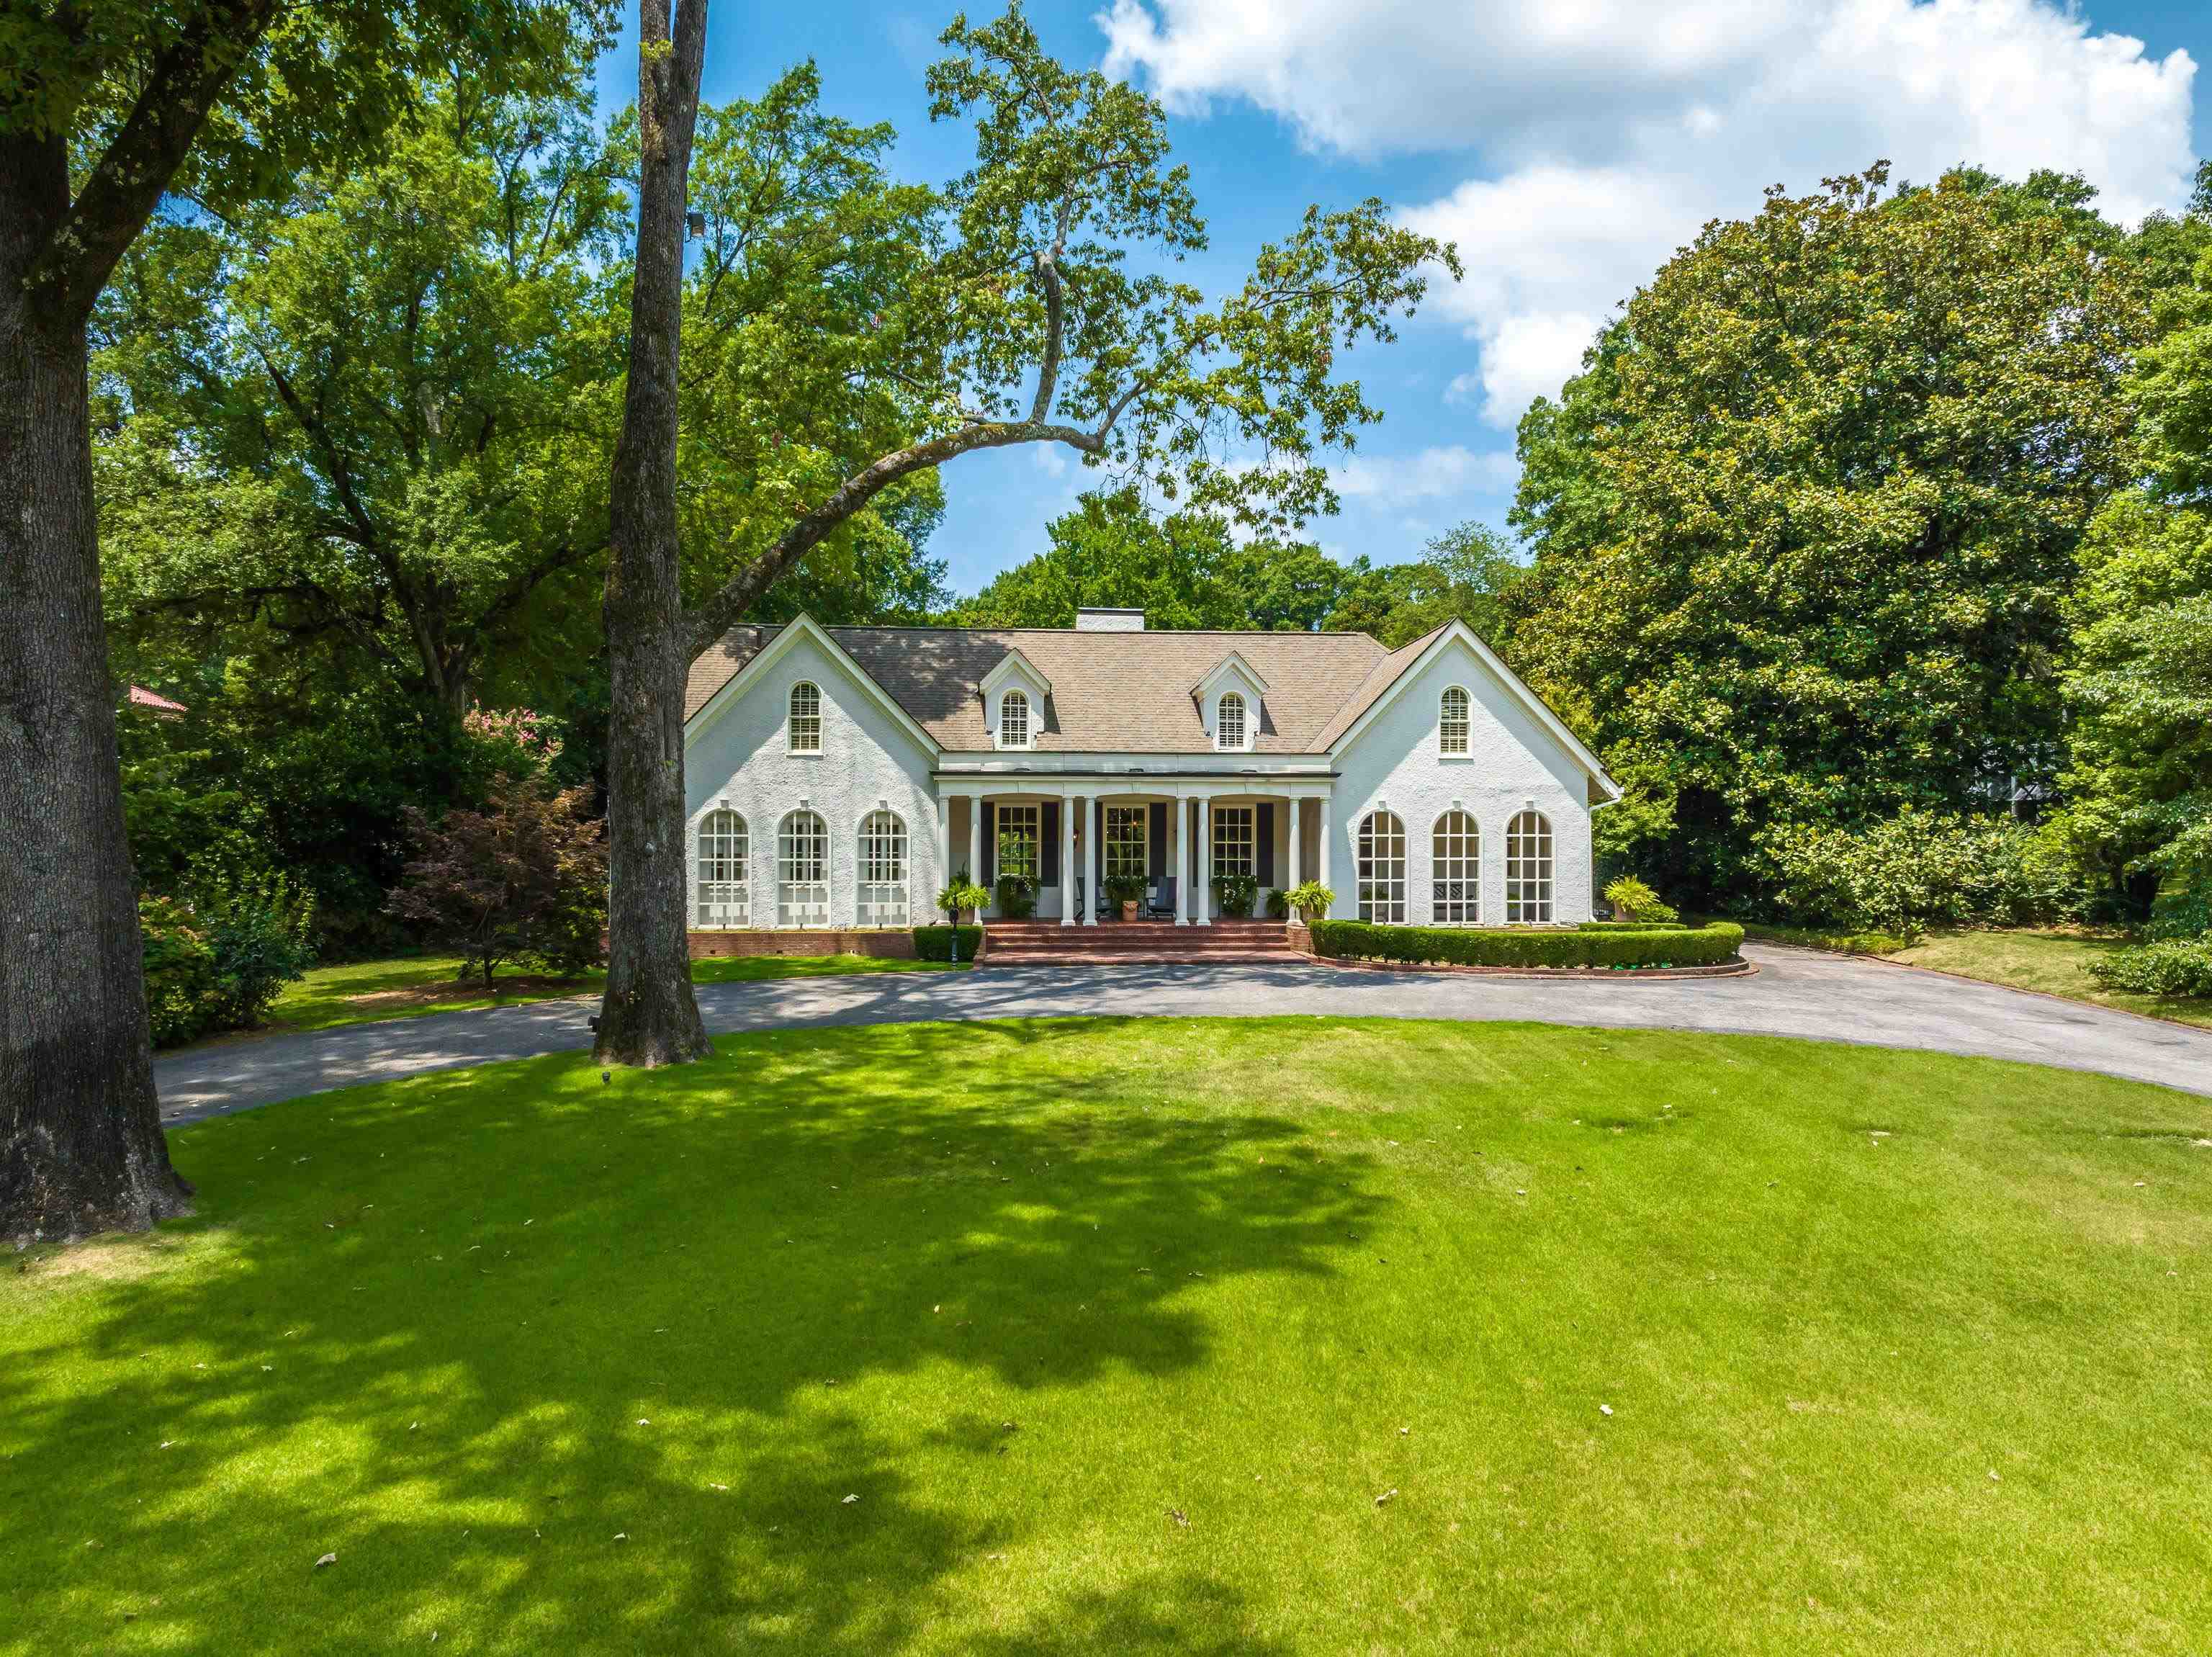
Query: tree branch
[
  {"x": 128, "y": 181},
  {"x": 715, "y": 617}
]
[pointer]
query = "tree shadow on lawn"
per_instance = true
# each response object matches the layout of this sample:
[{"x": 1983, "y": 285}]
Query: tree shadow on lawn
[{"x": 517, "y": 1314}]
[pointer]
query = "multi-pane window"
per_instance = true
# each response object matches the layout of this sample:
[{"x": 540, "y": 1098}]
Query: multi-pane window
[
  {"x": 883, "y": 894},
  {"x": 1528, "y": 870},
  {"x": 1456, "y": 887},
  {"x": 1382, "y": 867},
  {"x": 1452, "y": 721},
  {"x": 1014, "y": 720},
  {"x": 1126, "y": 831},
  {"x": 722, "y": 856},
  {"x": 1229, "y": 722},
  {"x": 1018, "y": 840},
  {"x": 1232, "y": 841},
  {"x": 805, "y": 717},
  {"x": 802, "y": 871}
]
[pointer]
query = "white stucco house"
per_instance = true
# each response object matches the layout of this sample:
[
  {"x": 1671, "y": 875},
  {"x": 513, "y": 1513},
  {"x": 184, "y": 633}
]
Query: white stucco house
[{"x": 839, "y": 777}]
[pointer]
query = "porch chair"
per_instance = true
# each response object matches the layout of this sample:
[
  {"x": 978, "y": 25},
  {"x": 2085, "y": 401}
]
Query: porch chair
[{"x": 1163, "y": 899}]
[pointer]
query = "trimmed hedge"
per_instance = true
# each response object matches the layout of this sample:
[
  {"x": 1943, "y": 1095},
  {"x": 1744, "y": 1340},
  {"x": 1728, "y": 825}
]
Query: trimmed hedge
[
  {"x": 1604, "y": 946},
  {"x": 934, "y": 943}
]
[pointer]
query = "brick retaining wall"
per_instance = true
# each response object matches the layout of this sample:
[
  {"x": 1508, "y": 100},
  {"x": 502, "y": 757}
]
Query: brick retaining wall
[{"x": 896, "y": 944}]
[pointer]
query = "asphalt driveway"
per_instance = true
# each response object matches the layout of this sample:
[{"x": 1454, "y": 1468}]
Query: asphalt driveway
[{"x": 1795, "y": 993}]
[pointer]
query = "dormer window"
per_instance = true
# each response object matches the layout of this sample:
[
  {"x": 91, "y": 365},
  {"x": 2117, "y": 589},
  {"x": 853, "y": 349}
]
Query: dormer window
[
  {"x": 1229, "y": 723},
  {"x": 1014, "y": 720},
  {"x": 805, "y": 723}
]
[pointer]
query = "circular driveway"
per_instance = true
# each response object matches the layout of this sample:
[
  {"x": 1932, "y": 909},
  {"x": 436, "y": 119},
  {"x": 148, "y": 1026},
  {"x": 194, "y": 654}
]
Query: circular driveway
[{"x": 1795, "y": 993}]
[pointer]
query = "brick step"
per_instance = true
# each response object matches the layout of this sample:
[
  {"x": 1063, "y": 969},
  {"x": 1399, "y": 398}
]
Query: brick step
[
  {"x": 1197, "y": 937},
  {"x": 1160, "y": 958}
]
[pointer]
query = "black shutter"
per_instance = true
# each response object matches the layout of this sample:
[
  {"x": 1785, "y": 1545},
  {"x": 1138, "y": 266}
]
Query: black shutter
[
  {"x": 1050, "y": 861},
  {"x": 1158, "y": 865},
  {"x": 1263, "y": 835},
  {"x": 984, "y": 876}
]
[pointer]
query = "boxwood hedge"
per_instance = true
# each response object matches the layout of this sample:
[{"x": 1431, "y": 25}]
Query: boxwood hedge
[
  {"x": 1606, "y": 946},
  {"x": 934, "y": 943}
]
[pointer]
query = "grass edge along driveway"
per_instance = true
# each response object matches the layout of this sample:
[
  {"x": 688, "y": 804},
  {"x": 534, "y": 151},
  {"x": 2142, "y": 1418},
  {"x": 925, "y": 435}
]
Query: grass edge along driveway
[{"x": 1276, "y": 1335}]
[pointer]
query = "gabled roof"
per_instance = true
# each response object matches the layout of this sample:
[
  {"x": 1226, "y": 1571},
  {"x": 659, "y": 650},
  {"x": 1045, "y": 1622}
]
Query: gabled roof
[
  {"x": 1013, "y": 664},
  {"x": 1116, "y": 692},
  {"x": 719, "y": 672},
  {"x": 1234, "y": 662}
]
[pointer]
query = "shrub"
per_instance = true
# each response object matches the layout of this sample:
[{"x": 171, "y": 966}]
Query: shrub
[
  {"x": 934, "y": 943},
  {"x": 2177, "y": 967},
  {"x": 1623, "y": 947},
  {"x": 1235, "y": 894},
  {"x": 182, "y": 988},
  {"x": 1917, "y": 869},
  {"x": 1633, "y": 900},
  {"x": 259, "y": 935},
  {"x": 524, "y": 879},
  {"x": 1310, "y": 899},
  {"x": 1123, "y": 889}
]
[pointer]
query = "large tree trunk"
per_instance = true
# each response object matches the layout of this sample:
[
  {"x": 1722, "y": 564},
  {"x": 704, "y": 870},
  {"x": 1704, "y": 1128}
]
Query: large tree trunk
[
  {"x": 81, "y": 1142},
  {"x": 650, "y": 1015}
]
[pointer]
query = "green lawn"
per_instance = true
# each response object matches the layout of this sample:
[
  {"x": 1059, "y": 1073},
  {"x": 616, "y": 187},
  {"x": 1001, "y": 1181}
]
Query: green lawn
[
  {"x": 2054, "y": 961},
  {"x": 360, "y": 991},
  {"x": 1101, "y": 1337}
]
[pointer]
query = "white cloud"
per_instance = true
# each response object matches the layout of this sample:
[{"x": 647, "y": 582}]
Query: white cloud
[
  {"x": 1433, "y": 473},
  {"x": 1610, "y": 131}
]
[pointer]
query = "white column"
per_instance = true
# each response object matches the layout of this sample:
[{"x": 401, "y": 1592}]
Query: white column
[
  {"x": 1205, "y": 881},
  {"x": 975, "y": 840},
  {"x": 1094, "y": 834},
  {"x": 1066, "y": 858},
  {"x": 1297, "y": 833},
  {"x": 1321, "y": 873},
  {"x": 1179, "y": 810},
  {"x": 943, "y": 844}
]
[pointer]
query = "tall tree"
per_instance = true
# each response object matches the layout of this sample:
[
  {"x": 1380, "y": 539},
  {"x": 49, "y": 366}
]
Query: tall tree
[
  {"x": 1804, "y": 525},
  {"x": 649, "y": 1015},
  {"x": 1019, "y": 319},
  {"x": 1464, "y": 575},
  {"x": 106, "y": 107}
]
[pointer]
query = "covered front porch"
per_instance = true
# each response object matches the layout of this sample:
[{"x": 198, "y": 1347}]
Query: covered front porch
[{"x": 1066, "y": 839}]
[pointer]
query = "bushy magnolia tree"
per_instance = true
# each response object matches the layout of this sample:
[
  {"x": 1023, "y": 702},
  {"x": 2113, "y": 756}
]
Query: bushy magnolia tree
[{"x": 1036, "y": 302}]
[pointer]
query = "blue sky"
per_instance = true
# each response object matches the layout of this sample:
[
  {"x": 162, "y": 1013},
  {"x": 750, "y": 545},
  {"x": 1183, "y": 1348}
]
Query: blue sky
[{"x": 1567, "y": 149}]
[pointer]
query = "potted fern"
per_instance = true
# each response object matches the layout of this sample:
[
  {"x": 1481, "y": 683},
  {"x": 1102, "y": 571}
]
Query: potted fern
[
  {"x": 1125, "y": 892},
  {"x": 1310, "y": 901}
]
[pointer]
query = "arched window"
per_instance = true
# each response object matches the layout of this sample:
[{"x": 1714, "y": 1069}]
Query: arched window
[
  {"x": 1456, "y": 871},
  {"x": 1452, "y": 721},
  {"x": 1528, "y": 870},
  {"x": 1229, "y": 722},
  {"x": 1382, "y": 867},
  {"x": 883, "y": 900},
  {"x": 802, "y": 871},
  {"x": 1014, "y": 720},
  {"x": 722, "y": 858},
  {"x": 805, "y": 717}
]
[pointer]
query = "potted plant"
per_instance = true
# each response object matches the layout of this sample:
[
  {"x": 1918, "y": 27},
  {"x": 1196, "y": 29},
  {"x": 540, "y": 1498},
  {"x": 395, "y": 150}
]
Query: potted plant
[
  {"x": 1017, "y": 897},
  {"x": 1234, "y": 894},
  {"x": 1125, "y": 892},
  {"x": 962, "y": 897},
  {"x": 1311, "y": 900}
]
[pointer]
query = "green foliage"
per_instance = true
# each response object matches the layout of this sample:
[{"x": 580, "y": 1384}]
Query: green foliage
[
  {"x": 1018, "y": 896},
  {"x": 523, "y": 879},
  {"x": 1123, "y": 889},
  {"x": 1466, "y": 575},
  {"x": 1704, "y": 945},
  {"x": 1310, "y": 899},
  {"x": 181, "y": 986},
  {"x": 1234, "y": 894},
  {"x": 1633, "y": 900},
  {"x": 963, "y": 896},
  {"x": 2176, "y": 967},
  {"x": 947, "y": 943},
  {"x": 1804, "y": 524},
  {"x": 1917, "y": 869}
]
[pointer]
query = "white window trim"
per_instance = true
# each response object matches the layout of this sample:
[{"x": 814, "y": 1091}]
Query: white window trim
[
  {"x": 1370, "y": 835},
  {"x": 1029, "y": 721},
  {"x": 791, "y": 719},
  {"x": 800, "y": 903},
  {"x": 1465, "y": 750},
  {"x": 1530, "y": 879},
  {"x": 1469, "y": 859},
  {"x": 884, "y": 839},
  {"x": 1244, "y": 744},
  {"x": 723, "y": 903}
]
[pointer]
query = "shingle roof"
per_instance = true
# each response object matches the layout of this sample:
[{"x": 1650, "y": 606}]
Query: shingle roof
[{"x": 1129, "y": 692}]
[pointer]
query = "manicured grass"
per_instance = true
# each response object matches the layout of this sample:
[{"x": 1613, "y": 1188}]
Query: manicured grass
[
  {"x": 2055, "y": 961},
  {"x": 362, "y": 991},
  {"x": 1116, "y": 1332}
]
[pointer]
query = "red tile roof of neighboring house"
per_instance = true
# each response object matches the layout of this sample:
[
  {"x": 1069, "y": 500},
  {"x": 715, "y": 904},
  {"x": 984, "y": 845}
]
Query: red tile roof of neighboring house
[{"x": 142, "y": 697}]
